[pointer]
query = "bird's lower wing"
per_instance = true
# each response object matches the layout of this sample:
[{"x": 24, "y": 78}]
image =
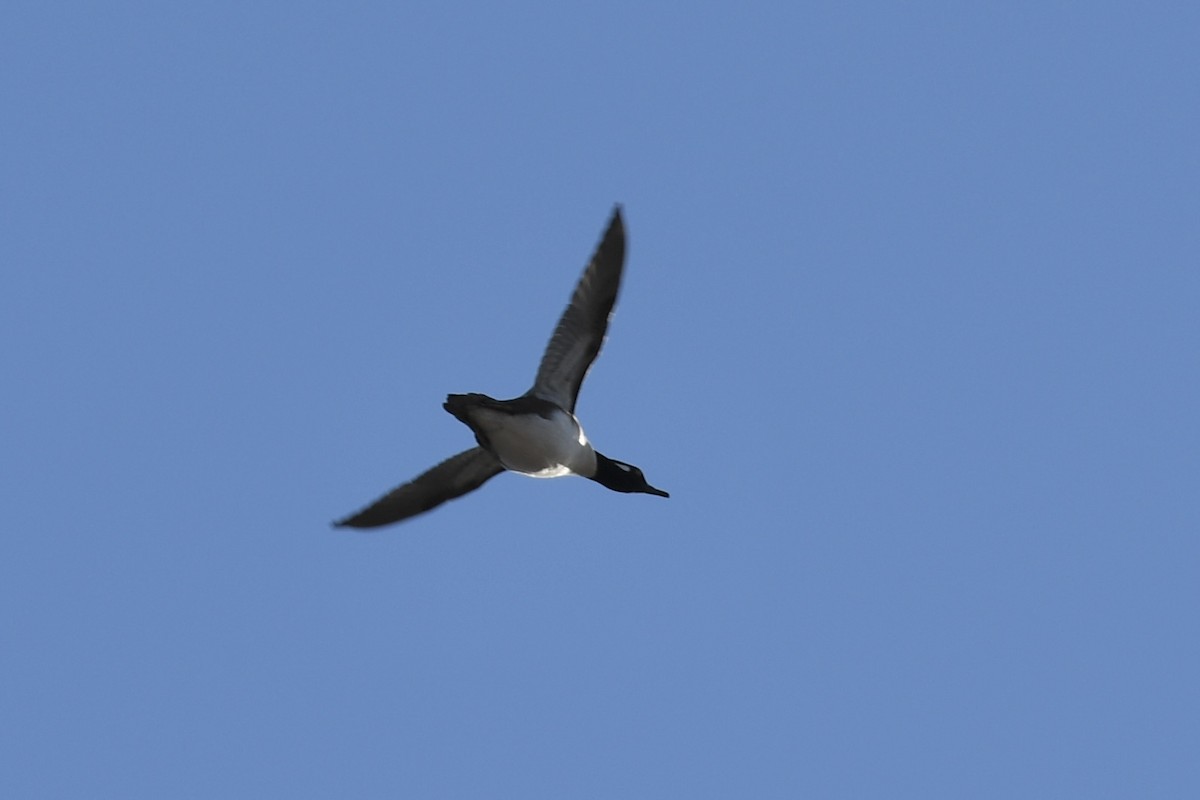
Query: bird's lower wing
[{"x": 452, "y": 478}]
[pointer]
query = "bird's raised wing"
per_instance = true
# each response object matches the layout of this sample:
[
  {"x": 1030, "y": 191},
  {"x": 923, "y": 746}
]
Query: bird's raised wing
[
  {"x": 452, "y": 478},
  {"x": 580, "y": 332}
]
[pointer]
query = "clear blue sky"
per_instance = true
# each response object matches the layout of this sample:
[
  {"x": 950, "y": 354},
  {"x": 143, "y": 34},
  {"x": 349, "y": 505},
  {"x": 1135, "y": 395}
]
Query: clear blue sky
[{"x": 910, "y": 331}]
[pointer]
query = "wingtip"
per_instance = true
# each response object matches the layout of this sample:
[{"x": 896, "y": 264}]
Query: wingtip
[
  {"x": 360, "y": 521},
  {"x": 356, "y": 521},
  {"x": 616, "y": 225}
]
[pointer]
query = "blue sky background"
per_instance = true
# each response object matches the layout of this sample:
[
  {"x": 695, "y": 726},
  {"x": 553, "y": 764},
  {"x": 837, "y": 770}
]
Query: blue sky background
[{"x": 910, "y": 331}]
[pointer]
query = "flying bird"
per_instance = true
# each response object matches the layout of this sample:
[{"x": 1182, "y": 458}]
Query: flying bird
[{"x": 536, "y": 434}]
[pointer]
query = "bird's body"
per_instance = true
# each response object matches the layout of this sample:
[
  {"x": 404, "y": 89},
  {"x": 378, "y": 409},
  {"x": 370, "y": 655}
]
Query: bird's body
[
  {"x": 536, "y": 434},
  {"x": 527, "y": 435}
]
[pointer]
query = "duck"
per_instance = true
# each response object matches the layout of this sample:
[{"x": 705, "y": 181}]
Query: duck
[{"x": 536, "y": 434}]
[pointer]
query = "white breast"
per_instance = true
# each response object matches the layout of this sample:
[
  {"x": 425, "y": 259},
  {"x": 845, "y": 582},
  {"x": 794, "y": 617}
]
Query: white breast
[{"x": 539, "y": 447}]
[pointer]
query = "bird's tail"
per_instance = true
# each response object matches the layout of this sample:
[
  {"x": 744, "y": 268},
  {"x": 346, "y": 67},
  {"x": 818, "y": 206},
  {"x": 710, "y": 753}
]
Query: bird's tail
[{"x": 460, "y": 404}]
